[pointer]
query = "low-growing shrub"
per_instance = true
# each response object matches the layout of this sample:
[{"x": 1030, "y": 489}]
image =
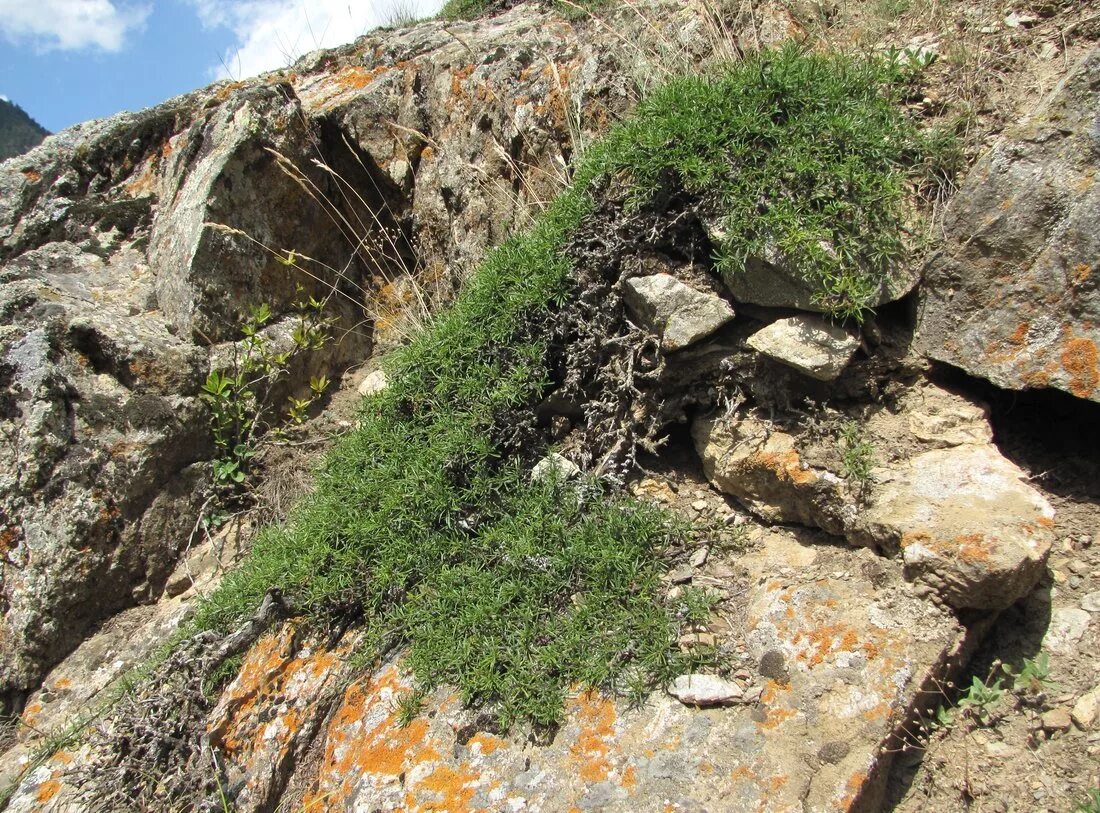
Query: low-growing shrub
[{"x": 424, "y": 522}]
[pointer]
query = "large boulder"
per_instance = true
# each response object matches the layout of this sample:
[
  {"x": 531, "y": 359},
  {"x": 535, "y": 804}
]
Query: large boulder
[{"x": 1013, "y": 295}]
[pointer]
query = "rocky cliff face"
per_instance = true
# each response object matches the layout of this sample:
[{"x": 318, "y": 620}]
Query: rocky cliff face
[
  {"x": 406, "y": 154},
  {"x": 860, "y": 516}
]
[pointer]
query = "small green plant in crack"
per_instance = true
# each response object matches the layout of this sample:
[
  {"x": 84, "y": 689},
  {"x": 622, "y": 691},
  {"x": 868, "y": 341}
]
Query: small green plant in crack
[
  {"x": 857, "y": 455},
  {"x": 977, "y": 702},
  {"x": 238, "y": 396},
  {"x": 695, "y": 604},
  {"x": 1032, "y": 682},
  {"x": 409, "y": 705}
]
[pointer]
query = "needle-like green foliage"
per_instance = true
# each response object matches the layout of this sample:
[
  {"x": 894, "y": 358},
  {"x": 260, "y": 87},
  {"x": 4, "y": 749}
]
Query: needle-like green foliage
[{"x": 803, "y": 159}]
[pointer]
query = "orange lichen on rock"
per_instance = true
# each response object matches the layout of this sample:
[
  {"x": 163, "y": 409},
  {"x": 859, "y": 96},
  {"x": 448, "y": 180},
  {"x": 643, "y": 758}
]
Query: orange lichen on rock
[
  {"x": 365, "y": 739},
  {"x": 272, "y": 664},
  {"x": 825, "y": 640},
  {"x": 355, "y": 77},
  {"x": 47, "y": 790},
  {"x": 1081, "y": 272},
  {"x": 32, "y": 175},
  {"x": 786, "y": 465},
  {"x": 775, "y": 717},
  {"x": 451, "y": 790},
  {"x": 486, "y": 744},
  {"x": 459, "y": 76},
  {"x": 852, "y": 788},
  {"x": 596, "y": 716},
  {"x": 1079, "y": 360}
]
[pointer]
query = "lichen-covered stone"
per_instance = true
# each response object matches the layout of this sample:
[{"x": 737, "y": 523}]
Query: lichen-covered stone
[
  {"x": 859, "y": 655},
  {"x": 965, "y": 521},
  {"x": 961, "y": 516},
  {"x": 129, "y": 245},
  {"x": 1012, "y": 296},
  {"x": 760, "y": 465}
]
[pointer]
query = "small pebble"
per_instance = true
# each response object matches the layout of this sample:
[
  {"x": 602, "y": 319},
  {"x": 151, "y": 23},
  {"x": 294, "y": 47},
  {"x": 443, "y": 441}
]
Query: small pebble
[
  {"x": 1056, "y": 720},
  {"x": 681, "y": 575},
  {"x": 699, "y": 558},
  {"x": 696, "y": 639},
  {"x": 699, "y": 505}
]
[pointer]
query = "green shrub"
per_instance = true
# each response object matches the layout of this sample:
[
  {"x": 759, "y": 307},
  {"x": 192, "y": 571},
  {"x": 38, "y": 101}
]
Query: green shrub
[
  {"x": 512, "y": 591},
  {"x": 798, "y": 155},
  {"x": 424, "y": 522}
]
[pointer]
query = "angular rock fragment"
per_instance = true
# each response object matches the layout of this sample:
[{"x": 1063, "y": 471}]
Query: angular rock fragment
[
  {"x": 678, "y": 313},
  {"x": 373, "y": 383},
  {"x": 966, "y": 524},
  {"x": 705, "y": 690},
  {"x": 554, "y": 465},
  {"x": 770, "y": 280},
  {"x": 761, "y": 467},
  {"x": 807, "y": 343},
  {"x": 1086, "y": 709}
]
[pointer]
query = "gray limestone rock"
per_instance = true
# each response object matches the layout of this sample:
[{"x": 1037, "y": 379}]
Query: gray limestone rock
[
  {"x": 809, "y": 344},
  {"x": 771, "y": 281},
  {"x": 678, "y": 313}
]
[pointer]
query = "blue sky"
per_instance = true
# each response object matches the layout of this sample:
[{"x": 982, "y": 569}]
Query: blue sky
[{"x": 65, "y": 61}]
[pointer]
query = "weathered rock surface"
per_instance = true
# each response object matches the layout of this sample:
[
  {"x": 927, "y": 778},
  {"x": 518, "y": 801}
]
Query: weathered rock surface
[
  {"x": 76, "y": 686},
  {"x": 966, "y": 523},
  {"x": 961, "y": 516},
  {"x": 809, "y": 344},
  {"x": 678, "y": 313},
  {"x": 1013, "y": 294},
  {"x": 129, "y": 246},
  {"x": 760, "y": 466}
]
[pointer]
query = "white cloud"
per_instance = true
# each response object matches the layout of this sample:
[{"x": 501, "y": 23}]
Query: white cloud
[
  {"x": 70, "y": 25},
  {"x": 273, "y": 33},
  {"x": 4, "y": 98}
]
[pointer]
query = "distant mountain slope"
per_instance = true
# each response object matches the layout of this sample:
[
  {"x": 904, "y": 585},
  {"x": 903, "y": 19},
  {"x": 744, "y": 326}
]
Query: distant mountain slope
[{"x": 18, "y": 131}]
